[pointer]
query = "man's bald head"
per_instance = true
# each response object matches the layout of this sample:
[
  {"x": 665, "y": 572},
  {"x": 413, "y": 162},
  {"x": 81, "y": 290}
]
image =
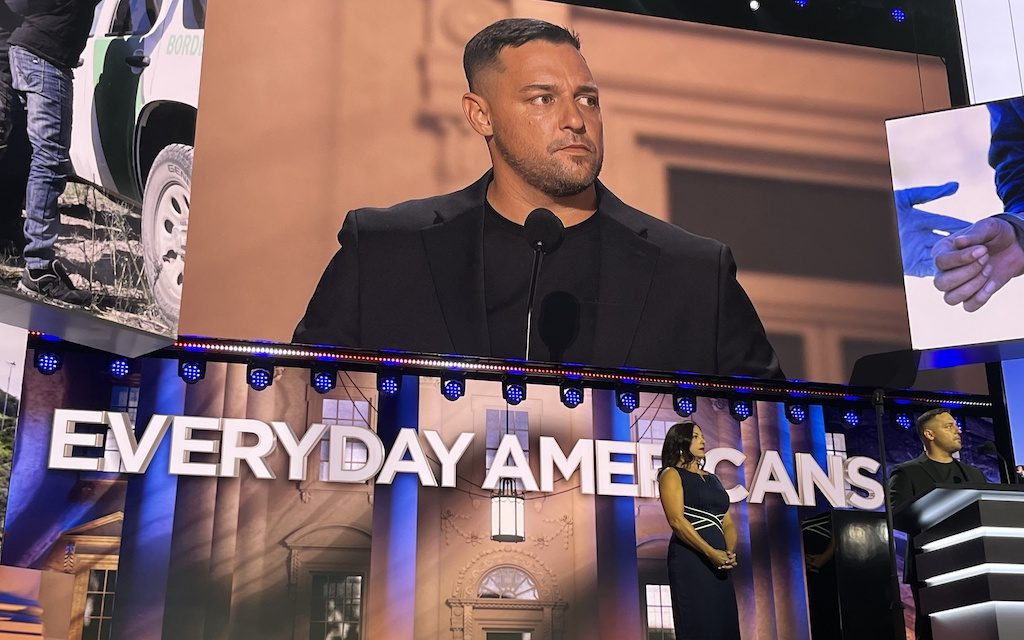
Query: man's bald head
[{"x": 482, "y": 50}]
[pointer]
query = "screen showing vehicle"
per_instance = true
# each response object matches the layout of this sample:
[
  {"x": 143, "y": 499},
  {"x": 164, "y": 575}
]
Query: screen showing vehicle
[{"x": 98, "y": 131}]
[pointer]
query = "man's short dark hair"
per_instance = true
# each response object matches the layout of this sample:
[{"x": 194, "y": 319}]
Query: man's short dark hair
[
  {"x": 482, "y": 50},
  {"x": 922, "y": 420}
]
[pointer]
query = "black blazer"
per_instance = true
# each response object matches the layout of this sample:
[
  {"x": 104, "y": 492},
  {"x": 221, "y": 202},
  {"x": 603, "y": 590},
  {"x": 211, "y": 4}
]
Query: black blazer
[
  {"x": 411, "y": 278},
  {"x": 911, "y": 479}
]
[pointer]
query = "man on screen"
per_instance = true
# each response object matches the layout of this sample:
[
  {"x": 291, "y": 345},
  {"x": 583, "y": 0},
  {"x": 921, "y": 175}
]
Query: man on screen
[
  {"x": 940, "y": 436},
  {"x": 451, "y": 274}
]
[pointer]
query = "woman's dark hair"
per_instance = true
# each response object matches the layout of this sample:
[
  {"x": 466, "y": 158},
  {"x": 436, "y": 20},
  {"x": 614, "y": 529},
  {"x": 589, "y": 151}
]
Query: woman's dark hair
[{"x": 677, "y": 445}]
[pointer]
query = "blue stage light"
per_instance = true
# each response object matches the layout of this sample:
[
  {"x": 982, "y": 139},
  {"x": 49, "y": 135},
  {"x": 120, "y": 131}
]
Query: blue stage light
[
  {"x": 904, "y": 421},
  {"x": 513, "y": 389},
  {"x": 389, "y": 384},
  {"x": 684, "y": 403},
  {"x": 259, "y": 376},
  {"x": 800, "y": 3},
  {"x": 323, "y": 379},
  {"x": 796, "y": 413},
  {"x": 453, "y": 385},
  {"x": 119, "y": 367},
  {"x": 851, "y": 418},
  {"x": 899, "y": 15},
  {"x": 741, "y": 409},
  {"x": 48, "y": 362},
  {"x": 191, "y": 371},
  {"x": 571, "y": 394},
  {"x": 627, "y": 400}
]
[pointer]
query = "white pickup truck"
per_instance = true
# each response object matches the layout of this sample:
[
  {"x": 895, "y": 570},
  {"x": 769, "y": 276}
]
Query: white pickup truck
[{"x": 135, "y": 100}]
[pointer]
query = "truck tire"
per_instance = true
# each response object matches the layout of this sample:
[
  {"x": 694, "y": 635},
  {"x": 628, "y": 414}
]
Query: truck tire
[{"x": 165, "y": 206}]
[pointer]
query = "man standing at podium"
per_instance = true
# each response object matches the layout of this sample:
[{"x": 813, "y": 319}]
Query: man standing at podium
[{"x": 941, "y": 438}]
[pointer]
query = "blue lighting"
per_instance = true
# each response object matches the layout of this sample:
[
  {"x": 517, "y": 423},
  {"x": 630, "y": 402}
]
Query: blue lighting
[
  {"x": 119, "y": 367},
  {"x": 684, "y": 404},
  {"x": 191, "y": 371},
  {"x": 48, "y": 362},
  {"x": 796, "y": 413},
  {"x": 800, "y": 3},
  {"x": 851, "y": 418},
  {"x": 899, "y": 15},
  {"x": 627, "y": 400},
  {"x": 260, "y": 377},
  {"x": 322, "y": 380},
  {"x": 453, "y": 387},
  {"x": 904, "y": 421},
  {"x": 389, "y": 384},
  {"x": 741, "y": 409},
  {"x": 572, "y": 397},
  {"x": 513, "y": 390}
]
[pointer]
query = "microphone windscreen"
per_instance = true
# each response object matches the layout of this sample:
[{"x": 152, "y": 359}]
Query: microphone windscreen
[{"x": 543, "y": 230}]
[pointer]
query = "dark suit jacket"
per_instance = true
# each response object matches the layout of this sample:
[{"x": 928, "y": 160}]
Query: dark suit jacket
[
  {"x": 911, "y": 479},
  {"x": 411, "y": 278}
]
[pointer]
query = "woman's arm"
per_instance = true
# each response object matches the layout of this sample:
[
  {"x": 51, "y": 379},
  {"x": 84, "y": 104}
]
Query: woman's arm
[
  {"x": 671, "y": 490},
  {"x": 729, "y": 529}
]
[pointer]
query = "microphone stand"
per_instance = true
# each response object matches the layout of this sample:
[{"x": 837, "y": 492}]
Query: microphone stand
[
  {"x": 538, "y": 256},
  {"x": 893, "y": 588}
]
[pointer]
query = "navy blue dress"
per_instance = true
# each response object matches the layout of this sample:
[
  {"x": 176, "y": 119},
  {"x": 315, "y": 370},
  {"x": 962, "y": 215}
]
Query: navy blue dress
[{"x": 703, "y": 599}]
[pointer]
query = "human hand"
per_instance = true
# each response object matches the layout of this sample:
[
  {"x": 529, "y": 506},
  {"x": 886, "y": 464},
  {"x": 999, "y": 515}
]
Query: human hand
[
  {"x": 815, "y": 561},
  {"x": 917, "y": 227},
  {"x": 722, "y": 559},
  {"x": 976, "y": 262}
]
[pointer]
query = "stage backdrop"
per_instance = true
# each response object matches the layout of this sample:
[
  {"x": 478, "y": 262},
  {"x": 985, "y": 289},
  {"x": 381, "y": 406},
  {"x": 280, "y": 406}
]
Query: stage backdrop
[
  {"x": 773, "y": 145},
  {"x": 352, "y": 542}
]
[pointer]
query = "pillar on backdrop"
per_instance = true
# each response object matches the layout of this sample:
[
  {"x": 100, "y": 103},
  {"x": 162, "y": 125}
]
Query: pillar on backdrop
[
  {"x": 618, "y": 599},
  {"x": 391, "y": 603}
]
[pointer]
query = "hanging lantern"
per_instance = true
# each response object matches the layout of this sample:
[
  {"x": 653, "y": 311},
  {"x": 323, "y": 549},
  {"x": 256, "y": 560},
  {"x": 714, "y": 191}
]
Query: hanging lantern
[{"x": 508, "y": 513}]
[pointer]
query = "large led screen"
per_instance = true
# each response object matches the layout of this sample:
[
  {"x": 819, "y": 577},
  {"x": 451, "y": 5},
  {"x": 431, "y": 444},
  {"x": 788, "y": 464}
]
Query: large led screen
[
  {"x": 771, "y": 145},
  {"x": 956, "y": 177}
]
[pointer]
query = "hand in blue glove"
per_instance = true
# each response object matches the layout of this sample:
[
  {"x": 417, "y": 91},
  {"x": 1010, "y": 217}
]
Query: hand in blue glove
[{"x": 917, "y": 227}]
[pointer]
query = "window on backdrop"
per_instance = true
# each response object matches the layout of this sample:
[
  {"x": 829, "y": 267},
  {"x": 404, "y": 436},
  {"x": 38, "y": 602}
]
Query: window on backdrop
[
  {"x": 99, "y": 604},
  {"x": 354, "y": 413},
  {"x": 336, "y": 606},
  {"x": 511, "y": 583},
  {"x": 660, "y": 625},
  {"x": 502, "y": 421}
]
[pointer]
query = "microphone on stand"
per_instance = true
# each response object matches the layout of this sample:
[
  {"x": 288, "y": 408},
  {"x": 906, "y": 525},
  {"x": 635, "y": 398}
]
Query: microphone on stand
[
  {"x": 989, "y": 447},
  {"x": 544, "y": 233}
]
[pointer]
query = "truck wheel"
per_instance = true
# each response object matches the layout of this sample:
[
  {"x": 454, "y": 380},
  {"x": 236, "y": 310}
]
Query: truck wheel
[{"x": 165, "y": 205}]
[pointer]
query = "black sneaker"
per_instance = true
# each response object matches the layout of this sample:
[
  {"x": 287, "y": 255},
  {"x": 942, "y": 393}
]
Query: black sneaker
[{"x": 53, "y": 282}]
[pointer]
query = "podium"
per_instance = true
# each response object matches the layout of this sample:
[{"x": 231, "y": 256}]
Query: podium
[{"x": 968, "y": 542}]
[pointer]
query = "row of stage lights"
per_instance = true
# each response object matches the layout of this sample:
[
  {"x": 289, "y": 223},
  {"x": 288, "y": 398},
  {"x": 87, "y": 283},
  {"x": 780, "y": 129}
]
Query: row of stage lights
[
  {"x": 453, "y": 386},
  {"x": 896, "y": 12}
]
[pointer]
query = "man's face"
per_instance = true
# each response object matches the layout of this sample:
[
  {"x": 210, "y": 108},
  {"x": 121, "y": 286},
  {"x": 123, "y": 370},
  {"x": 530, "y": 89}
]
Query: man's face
[
  {"x": 545, "y": 117},
  {"x": 945, "y": 432}
]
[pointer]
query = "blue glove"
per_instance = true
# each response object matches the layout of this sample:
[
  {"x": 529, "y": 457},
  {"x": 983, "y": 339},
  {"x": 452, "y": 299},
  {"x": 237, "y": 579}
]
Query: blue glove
[{"x": 917, "y": 227}]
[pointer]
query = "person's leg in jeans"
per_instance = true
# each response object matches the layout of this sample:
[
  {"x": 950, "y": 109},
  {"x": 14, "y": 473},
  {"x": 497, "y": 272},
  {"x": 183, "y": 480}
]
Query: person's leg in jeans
[{"x": 47, "y": 92}]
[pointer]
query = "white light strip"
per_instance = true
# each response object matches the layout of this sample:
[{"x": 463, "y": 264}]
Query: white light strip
[
  {"x": 974, "y": 534},
  {"x": 1004, "y": 496},
  {"x": 977, "y": 570},
  {"x": 978, "y": 607}
]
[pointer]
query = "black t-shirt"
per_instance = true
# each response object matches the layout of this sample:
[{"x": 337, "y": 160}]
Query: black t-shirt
[
  {"x": 55, "y": 30},
  {"x": 564, "y": 311},
  {"x": 946, "y": 472}
]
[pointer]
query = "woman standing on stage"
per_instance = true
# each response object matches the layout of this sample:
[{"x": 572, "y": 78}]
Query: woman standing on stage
[{"x": 701, "y": 554}]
